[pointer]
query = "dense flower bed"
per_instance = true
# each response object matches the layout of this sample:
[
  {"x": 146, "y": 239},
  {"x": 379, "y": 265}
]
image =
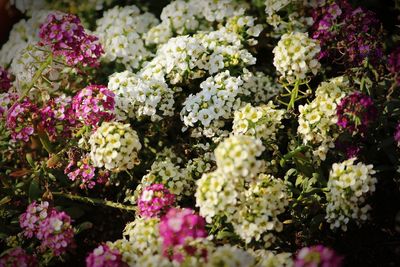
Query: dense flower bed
[{"x": 200, "y": 133}]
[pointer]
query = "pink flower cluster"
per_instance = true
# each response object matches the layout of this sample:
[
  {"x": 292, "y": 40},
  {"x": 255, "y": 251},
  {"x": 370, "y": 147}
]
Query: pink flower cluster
[
  {"x": 65, "y": 35},
  {"x": 20, "y": 118},
  {"x": 17, "y": 257},
  {"x": 103, "y": 256},
  {"x": 347, "y": 35},
  {"x": 84, "y": 172},
  {"x": 155, "y": 200},
  {"x": 317, "y": 256},
  {"x": 5, "y": 80},
  {"x": 178, "y": 227},
  {"x": 93, "y": 104},
  {"x": 394, "y": 64},
  {"x": 57, "y": 117},
  {"x": 356, "y": 112},
  {"x": 50, "y": 226}
]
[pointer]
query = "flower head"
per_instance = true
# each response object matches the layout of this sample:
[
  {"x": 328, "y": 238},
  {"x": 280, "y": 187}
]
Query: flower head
[
  {"x": 155, "y": 200},
  {"x": 17, "y": 257},
  {"x": 104, "y": 256},
  {"x": 317, "y": 256}
]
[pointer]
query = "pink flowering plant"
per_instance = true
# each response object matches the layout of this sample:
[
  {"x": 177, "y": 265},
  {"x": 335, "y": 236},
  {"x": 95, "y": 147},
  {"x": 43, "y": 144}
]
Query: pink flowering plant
[{"x": 200, "y": 133}]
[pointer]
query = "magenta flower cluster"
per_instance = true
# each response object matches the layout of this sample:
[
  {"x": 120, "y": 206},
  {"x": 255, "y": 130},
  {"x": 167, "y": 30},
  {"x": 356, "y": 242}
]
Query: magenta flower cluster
[
  {"x": 57, "y": 117},
  {"x": 397, "y": 134},
  {"x": 317, "y": 256},
  {"x": 5, "y": 80},
  {"x": 178, "y": 227},
  {"x": 51, "y": 227},
  {"x": 65, "y": 36},
  {"x": 84, "y": 172},
  {"x": 17, "y": 257},
  {"x": 155, "y": 200},
  {"x": 19, "y": 120},
  {"x": 93, "y": 104},
  {"x": 356, "y": 112},
  {"x": 103, "y": 256},
  {"x": 394, "y": 64},
  {"x": 347, "y": 35}
]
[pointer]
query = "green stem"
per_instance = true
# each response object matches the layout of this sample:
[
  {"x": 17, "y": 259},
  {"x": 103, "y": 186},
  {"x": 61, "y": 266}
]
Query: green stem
[
  {"x": 94, "y": 201},
  {"x": 294, "y": 95},
  {"x": 37, "y": 75}
]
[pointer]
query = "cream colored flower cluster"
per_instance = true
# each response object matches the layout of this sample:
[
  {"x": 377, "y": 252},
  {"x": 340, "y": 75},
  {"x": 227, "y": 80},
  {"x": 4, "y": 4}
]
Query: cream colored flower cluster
[
  {"x": 136, "y": 97},
  {"x": 215, "y": 103},
  {"x": 230, "y": 256},
  {"x": 259, "y": 206},
  {"x": 295, "y": 56},
  {"x": 236, "y": 190},
  {"x": 349, "y": 186},
  {"x": 317, "y": 119},
  {"x": 237, "y": 157},
  {"x": 258, "y": 87},
  {"x": 121, "y": 31},
  {"x": 262, "y": 122},
  {"x": 267, "y": 258},
  {"x": 114, "y": 146}
]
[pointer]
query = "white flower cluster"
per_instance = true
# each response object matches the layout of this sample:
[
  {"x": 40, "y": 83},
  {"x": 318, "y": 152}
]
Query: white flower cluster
[
  {"x": 213, "y": 104},
  {"x": 236, "y": 190},
  {"x": 144, "y": 235},
  {"x": 136, "y": 97},
  {"x": 317, "y": 119},
  {"x": 186, "y": 17},
  {"x": 29, "y": 6},
  {"x": 273, "y": 6},
  {"x": 216, "y": 195},
  {"x": 26, "y": 64},
  {"x": 262, "y": 122},
  {"x": 121, "y": 31},
  {"x": 258, "y": 87},
  {"x": 114, "y": 146},
  {"x": 246, "y": 27},
  {"x": 22, "y": 33},
  {"x": 259, "y": 207},
  {"x": 230, "y": 256},
  {"x": 237, "y": 157},
  {"x": 295, "y": 56},
  {"x": 349, "y": 186},
  {"x": 185, "y": 58},
  {"x": 266, "y": 258},
  {"x": 175, "y": 178}
]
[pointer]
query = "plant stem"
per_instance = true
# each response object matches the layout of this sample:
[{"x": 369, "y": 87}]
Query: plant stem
[
  {"x": 294, "y": 95},
  {"x": 94, "y": 201}
]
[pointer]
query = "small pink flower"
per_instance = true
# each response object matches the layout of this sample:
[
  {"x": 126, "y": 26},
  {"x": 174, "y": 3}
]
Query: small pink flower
[
  {"x": 19, "y": 120},
  {"x": 155, "y": 200},
  {"x": 5, "y": 80},
  {"x": 316, "y": 256},
  {"x": 178, "y": 227},
  {"x": 17, "y": 257},
  {"x": 103, "y": 256}
]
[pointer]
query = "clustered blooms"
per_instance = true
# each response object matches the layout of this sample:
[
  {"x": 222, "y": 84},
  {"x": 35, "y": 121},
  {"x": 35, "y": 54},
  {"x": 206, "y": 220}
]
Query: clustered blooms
[
  {"x": 318, "y": 119},
  {"x": 121, "y": 31},
  {"x": 262, "y": 122},
  {"x": 177, "y": 227},
  {"x": 5, "y": 80},
  {"x": 237, "y": 156},
  {"x": 347, "y": 35},
  {"x": 349, "y": 186},
  {"x": 317, "y": 256},
  {"x": 6, "y": 102},
  {"x": 51, "y": 227},
  {"x": 17, "y": 257},
  {"x": 114, "y": 146},
  {"x": 104, "y": 256},
  {"x": 20, "y": 118},
  {"x": 215, "y": 102},
  {"x": 356, "y": 112},
  {"x": 296, "y": 55},
  {"x": 93, "y": 104},
  {"x": 66, "y": 37},
  {"x": 155, "y": 200},
  {"x": 258, "y": 87},
  {"x": 137, "y": 97},
  {"x": 230, "y": 256},
  {"x": 84, "y": 172}
]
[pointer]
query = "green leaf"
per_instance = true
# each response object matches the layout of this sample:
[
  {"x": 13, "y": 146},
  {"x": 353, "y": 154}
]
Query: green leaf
[
  {"x": 83, "y": 226},
  {"x": 34, "y": 190}
]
